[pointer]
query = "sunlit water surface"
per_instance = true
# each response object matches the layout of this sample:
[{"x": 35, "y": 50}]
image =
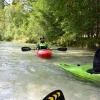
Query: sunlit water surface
[{"x": 24, "y": 76}]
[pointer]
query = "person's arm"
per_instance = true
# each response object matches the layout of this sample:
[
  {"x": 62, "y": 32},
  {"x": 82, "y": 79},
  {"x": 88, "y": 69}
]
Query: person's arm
[
  {"x": 37, "y": 46},
  {"x": 48, "y": 47}
]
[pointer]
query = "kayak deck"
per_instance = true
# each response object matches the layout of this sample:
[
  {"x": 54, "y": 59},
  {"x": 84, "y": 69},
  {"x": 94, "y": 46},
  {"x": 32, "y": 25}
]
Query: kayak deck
[
  {"x": 44, "y": 53},
  {"x": 81, "y": 71}
]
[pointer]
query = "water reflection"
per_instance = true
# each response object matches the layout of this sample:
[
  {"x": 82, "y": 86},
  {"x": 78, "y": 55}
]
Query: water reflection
[{"x": 24, "y": 76}]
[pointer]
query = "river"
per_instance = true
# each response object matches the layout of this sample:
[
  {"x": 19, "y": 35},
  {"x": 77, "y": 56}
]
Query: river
[{"x": 24, "y": 76}]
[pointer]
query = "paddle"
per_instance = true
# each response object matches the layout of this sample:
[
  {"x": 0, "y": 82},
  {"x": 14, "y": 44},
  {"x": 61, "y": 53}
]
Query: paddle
[
  {"x": 28, "y": 49},
  {"x": 55, "y": 95}
]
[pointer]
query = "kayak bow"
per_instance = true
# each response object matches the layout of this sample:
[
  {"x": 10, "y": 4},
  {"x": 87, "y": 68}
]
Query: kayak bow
[
  {"x": 44, "y": 53},
  {"x": 81, "y": 71}
]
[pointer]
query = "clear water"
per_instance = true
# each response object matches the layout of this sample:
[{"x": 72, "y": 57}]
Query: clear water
[{"x": 24, "y": 76}]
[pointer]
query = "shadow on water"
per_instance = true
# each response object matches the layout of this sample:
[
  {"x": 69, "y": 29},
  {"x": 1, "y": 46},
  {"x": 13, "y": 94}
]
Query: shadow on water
[{"x": 24, "y": 76}]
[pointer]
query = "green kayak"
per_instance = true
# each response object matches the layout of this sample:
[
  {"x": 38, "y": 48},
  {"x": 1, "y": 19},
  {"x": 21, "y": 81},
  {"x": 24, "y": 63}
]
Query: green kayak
[{"x": 83, "y": 72}]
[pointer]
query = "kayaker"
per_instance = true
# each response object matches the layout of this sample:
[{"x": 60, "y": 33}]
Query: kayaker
[
  {"x": 42, "y": 44},
  {"x": 96, "y": 61}
]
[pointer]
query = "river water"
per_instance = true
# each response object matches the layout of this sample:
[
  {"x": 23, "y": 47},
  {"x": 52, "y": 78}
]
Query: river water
[{"x": 24, "y": 76}]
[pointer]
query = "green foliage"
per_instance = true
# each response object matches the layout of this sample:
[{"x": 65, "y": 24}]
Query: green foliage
[{"x": 62, "y": 22}]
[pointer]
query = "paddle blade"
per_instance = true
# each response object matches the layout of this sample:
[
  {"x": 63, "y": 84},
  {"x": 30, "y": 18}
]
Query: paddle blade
[
  {"x": 25, "y": 48},
  {"x": 62, "y": 49},
  {"x": 55, "y": 95}
]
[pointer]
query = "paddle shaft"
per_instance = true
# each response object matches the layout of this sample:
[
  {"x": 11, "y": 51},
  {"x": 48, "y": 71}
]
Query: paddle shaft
[{"x": 28, "y": 49}]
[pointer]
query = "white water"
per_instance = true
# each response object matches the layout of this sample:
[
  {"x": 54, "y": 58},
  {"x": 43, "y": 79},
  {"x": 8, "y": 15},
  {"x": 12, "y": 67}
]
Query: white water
[{"x": 24, "y": 76}]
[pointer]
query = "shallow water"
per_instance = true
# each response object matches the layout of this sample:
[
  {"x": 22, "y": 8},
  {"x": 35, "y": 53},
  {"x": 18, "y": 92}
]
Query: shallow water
[{"x": 24, "y": 76}]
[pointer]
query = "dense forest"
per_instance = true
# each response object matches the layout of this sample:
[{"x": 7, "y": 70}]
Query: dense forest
[{"x": 62, "y": 22}]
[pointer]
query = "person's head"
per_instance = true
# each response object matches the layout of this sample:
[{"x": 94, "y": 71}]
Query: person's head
[{"x": 42, "y": 38}]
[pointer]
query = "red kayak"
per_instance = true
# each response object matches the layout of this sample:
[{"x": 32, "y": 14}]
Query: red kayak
[{"x": 44, "y": 53}]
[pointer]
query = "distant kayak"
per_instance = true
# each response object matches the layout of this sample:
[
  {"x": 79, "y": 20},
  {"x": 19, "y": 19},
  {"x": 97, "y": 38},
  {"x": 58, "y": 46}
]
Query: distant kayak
[
  {"x": 83, "y": 72},
  {"x": 44, "y": 53}
]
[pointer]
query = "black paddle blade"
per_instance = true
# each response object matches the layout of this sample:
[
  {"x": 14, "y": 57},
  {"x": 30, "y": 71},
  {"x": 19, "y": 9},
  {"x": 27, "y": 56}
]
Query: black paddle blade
[
  {"x": 62, "y": 49},
  {"x": 25, "y": 48},
  {"x": 55, "y": 95}
]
